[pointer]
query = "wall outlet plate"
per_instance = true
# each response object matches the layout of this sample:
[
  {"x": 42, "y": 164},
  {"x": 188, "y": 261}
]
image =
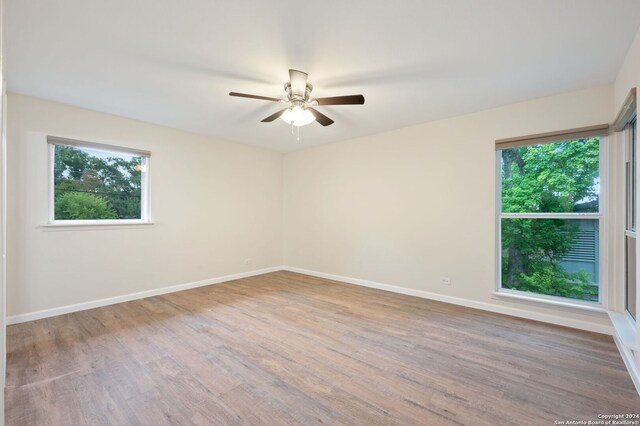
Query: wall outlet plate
[{"x": 445, "y": 280}]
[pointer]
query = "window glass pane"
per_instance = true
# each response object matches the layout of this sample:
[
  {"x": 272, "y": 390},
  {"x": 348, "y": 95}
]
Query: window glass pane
[
  {"x": 91, "y": 184},
  {"x": 555, "y": 257},
  {"x": 630, "y": 278},
  {"x": 558, "y": 177}
]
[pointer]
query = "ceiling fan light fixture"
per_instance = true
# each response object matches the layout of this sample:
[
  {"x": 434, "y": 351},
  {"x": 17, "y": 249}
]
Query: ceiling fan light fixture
[
  {"x": 298, "y": 116},
  {"x": 299, "y": 110}
]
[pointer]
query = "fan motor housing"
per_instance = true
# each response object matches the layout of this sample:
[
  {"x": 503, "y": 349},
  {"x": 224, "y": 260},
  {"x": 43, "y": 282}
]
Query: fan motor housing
[{"x": 292, "y": 97}]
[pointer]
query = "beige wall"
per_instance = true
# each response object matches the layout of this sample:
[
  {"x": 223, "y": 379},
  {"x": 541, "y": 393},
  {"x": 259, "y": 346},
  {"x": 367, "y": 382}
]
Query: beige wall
[
  {"x": 217, "y": 208},
  {"x": 410, "y": 206},
  {"x": 629, "y": 75}
]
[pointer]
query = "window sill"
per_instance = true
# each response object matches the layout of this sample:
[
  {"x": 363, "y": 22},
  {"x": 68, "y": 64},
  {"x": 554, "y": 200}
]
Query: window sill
[
  {"x": 592, "y": 307},
  {"x": 94, "y": 224},
  {"x": 625, "y": 328}
]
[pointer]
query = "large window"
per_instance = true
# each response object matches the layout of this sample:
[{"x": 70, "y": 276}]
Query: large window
[
  {"x": 549, "y": 218},
  {"x": 92, "y": 183}
]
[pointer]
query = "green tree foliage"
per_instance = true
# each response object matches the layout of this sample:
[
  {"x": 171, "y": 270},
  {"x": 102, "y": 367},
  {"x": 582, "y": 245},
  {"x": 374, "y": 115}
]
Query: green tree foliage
[
  {"x": 115, "y": 180},
  {"x": 548, "y": 178},
  {"x": 82, "y": 205}
]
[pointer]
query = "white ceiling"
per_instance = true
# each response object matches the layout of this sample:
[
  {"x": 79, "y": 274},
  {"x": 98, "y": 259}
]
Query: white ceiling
[{"x": 173, "y": 62}]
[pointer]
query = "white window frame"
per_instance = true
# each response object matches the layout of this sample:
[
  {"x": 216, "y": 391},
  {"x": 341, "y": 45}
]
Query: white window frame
[
  {"x": 603, "y": 300},
  {"x": 145, "y": 217}
]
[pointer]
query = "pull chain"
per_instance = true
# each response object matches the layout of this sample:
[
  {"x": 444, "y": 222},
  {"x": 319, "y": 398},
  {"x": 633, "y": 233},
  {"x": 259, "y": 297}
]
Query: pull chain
[{"x": 297, "y": 134}]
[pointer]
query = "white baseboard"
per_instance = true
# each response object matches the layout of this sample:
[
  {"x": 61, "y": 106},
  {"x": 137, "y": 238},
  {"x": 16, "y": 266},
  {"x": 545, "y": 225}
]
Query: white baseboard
[
  {"x": 629, "y": 361},
  {"x": 45, "y": 313},
  {"x": 553, "y": 319},
  {"x": 522, "y": 313}
]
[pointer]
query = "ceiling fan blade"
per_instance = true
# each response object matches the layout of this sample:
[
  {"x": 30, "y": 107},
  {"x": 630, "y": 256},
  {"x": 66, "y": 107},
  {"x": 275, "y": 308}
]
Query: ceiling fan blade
[
  {"x": 321, "y": 118},
  {"x": 342, "y": 100},
  {"x": 272, "y": 117},
  {"x": 262, "y": 98},
  {"x": 298, "y": 81}
]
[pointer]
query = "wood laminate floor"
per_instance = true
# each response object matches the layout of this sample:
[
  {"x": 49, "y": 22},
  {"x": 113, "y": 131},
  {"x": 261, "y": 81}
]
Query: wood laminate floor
[{"x": 285, "y": 348}]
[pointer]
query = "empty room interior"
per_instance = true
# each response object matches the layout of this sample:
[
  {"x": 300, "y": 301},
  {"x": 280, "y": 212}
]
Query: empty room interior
[{"x": 300, "y": 213}]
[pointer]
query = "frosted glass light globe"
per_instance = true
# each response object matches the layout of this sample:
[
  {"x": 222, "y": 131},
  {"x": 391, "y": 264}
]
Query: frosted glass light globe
[{"x": 298, "y": 116}]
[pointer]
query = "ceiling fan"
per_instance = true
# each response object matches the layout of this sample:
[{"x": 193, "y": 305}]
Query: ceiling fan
[{"x": 299, "y": 110}]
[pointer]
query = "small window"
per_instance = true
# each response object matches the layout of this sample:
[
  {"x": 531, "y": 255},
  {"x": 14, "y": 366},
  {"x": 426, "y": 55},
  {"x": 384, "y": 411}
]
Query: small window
[
  {"x": 549, "y": 219},
  {"x": 94, "y": 183}
]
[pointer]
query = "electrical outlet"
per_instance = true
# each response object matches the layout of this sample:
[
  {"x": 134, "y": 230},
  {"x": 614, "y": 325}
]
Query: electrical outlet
[{"x": 445, "y": 280}]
